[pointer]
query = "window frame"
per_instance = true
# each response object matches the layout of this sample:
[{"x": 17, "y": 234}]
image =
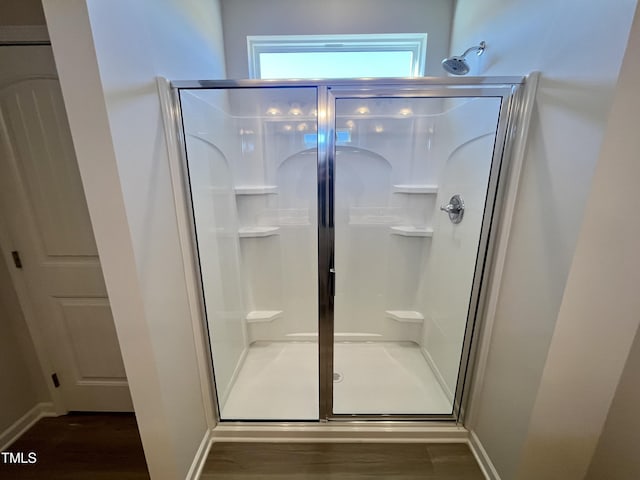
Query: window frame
[{"x": 416, "y": 43}]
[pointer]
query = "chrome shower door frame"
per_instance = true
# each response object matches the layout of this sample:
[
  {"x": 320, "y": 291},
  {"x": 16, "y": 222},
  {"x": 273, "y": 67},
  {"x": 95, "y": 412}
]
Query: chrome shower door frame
[
  {"x": 326, "y": 186},
  {"x": 509, "y": 89}
]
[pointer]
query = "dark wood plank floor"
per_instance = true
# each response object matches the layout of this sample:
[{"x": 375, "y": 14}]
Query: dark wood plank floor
[
  {"x": 81, "y": 446},
  {"x": 340, "y": 461},
  {"x": 108, "y": 447}
]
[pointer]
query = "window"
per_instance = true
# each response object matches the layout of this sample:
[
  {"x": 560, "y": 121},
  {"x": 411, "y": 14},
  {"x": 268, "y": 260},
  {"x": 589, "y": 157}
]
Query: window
[{"x": 337, "y": 56}]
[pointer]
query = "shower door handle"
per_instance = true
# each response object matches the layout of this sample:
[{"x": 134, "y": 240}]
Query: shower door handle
[{"x": 332, "y": 282}]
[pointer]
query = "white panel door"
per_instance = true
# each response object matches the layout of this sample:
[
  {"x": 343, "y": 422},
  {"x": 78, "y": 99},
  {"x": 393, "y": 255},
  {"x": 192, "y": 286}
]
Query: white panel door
[{"x": 46, "y": 219}]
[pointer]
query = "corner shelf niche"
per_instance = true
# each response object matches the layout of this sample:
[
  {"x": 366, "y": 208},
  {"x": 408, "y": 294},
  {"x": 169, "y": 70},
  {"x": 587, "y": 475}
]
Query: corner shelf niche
[
  {"x": 257, "y": 232},
  {"x": 261, "y": 316},
  {"x": 412, "y": 231},
  {"x": 256, "y": 189},
  {"x": 405, "y": 316},
  {"x": 416, "y": 189}
]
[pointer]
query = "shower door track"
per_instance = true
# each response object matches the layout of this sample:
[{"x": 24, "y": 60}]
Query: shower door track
[
  {"x": 512, "y": 96},
  {"x": 353, "y": 431},
  {"x": 351, "y": 82}
]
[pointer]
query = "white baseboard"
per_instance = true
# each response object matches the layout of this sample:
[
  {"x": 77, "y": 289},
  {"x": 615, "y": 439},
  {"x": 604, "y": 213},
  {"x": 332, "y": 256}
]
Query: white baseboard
[
  {"x": 24, "y": 423},
  {"x": 438, "y": 375},
  {"x": 201, "y": 457},
  {"x": 486, "y": 465}
]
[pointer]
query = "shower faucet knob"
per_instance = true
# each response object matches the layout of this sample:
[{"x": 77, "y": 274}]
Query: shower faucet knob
[
  {"x": 450, "y": 208},
  {"x": 455, "y": 209}
]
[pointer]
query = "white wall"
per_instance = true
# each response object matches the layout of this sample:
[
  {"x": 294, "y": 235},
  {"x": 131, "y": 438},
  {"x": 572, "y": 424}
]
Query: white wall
[
  {"x": 295, "y": 17},
  {"x": 108, "y": 55},
  {"x": 578, "y": 47},
  {"x": 617, "y": 451},
  {"x": 20, "y": 375},
  {"x": 600, "y": 312}
]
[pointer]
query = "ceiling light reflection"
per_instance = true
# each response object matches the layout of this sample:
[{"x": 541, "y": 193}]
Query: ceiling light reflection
[{"x": 295, "y": 109}]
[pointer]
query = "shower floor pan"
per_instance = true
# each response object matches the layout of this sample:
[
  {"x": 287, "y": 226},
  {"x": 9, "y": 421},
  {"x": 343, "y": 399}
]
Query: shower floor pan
[{"x": 279, "y": 381}]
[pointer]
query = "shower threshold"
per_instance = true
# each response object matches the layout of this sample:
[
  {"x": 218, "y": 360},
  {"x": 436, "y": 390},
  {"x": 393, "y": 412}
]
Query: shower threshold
[{"x": 279, "y": 381}]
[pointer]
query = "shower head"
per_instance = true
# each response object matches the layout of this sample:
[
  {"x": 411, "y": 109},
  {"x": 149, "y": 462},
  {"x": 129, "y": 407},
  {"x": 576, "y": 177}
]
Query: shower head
[{"x": 458, "y": 65}]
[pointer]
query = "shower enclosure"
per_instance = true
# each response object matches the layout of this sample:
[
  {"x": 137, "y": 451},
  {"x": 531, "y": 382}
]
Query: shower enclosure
[{"x": 343, "y": 230}]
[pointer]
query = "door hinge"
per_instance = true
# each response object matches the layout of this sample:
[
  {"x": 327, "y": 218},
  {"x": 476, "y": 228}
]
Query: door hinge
[
  {"x": 16, "y": 259},
  {"x": 54, "y": 378}
]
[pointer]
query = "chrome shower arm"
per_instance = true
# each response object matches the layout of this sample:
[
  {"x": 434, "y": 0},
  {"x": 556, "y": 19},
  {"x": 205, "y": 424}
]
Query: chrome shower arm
[{"x": 479, "y": 49}]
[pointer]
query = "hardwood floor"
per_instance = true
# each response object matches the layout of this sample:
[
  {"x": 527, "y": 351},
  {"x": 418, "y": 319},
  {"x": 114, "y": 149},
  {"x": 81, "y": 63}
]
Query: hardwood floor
[
  {"x": 108, "y": 447},
  {"x": 80, "y": 446},
  {"x": 340, "y": 461}
]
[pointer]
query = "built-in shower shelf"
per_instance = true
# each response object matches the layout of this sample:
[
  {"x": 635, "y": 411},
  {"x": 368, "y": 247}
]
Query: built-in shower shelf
[
  {"x": 405, "y": 316},
  {"x": 257, "y": 232},
  {"x": 421, "y": 189},
  {"x": 256, "y": 189},
  {"x": 259, "y": 316},
  {"x": 412, "y": 231}
]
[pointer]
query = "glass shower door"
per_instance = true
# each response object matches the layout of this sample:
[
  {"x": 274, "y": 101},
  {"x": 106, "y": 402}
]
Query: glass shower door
[
  {"x": 413, "y": 192},
  {"x": 342, "y": 232},
  {"x": 251, "y": 157}
]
